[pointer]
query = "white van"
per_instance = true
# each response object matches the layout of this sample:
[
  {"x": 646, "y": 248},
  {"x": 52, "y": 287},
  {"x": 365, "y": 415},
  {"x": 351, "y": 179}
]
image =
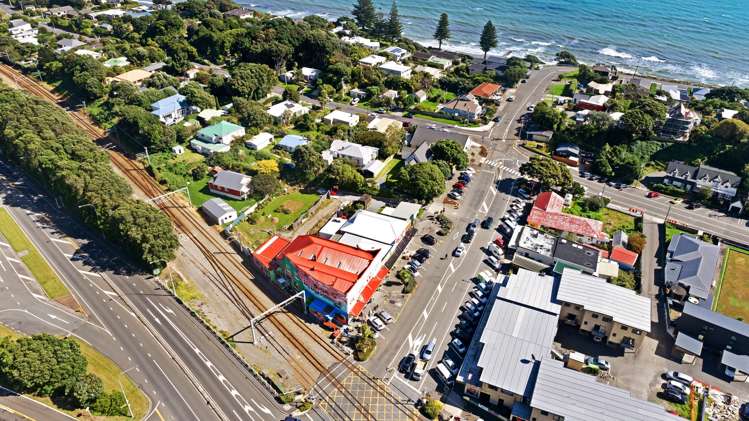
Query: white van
[
  {"x": 444, "y": 374},
  {"x": 495, "y": 251}
]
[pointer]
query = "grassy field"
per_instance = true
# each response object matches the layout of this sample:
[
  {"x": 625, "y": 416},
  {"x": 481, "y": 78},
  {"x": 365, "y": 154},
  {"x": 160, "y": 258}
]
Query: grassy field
[
  {"x": 109, "y": 373},
  {"x": 199, "y": 194},
  {"x": 392, "y": 163},
  {"x": 612, "y": 220},
  {"x": 733, "y": 294},
  {"x": 39, "y": 268},
  {"x": 672, "y": 230},
  {"x": 272, "y": 217},
  {"x": 556, "y": 89}
]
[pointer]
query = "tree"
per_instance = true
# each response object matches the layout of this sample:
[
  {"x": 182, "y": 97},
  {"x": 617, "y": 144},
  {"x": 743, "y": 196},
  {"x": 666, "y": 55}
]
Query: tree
[
  {"x": 264, "y": 184},
  {"x": 197, "y": 96},
  {"x": 144, "y": 129},
  {"x": 308, "y": 162},
  {"x": 514, "y": 74},
  {"x": 650, "y": 106},
  {"x": 636, "y": 242},
  {"x": 87, "y": 390},
  {"x": 250, "y": 113},
  {"x": 565, "y": 57},
  {"x": 266, "y": 166},
  {"x": 548, "y": 172},
  {"x": 342, "y": 174},
  {"x": 432, "y": 408},
  {"x": 394, "y": 26},
  {"x": 702, "y": 195},
  {"x": 729, "y": 93},
  {"x": 252, "y": 81},
  {"x": 111, "y": 404},
  {"x": 731, "y": 131},
  {"x": 442, "y": 33},
  {"x": 488, "y": 38},
  {"x": 450, "y": 152},
  {"x": 365, "y": 14},
  {"x": 638, "y": 125},
  {"x": 422, "y": 181},
  {"x": 547, "y": 117}
]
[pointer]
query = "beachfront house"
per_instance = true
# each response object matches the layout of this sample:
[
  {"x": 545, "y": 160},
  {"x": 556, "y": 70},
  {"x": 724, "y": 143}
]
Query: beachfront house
[
  {"x": 392, "y": 68},
  {"x": 399, "y": 53}
]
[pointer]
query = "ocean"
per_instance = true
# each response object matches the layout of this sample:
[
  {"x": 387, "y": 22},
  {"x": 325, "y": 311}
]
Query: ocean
[{"x": 699, "y": 40}]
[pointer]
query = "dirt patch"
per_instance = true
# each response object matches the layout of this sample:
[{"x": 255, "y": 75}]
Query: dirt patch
[
  {"x": 70, "y": 302},
  {"x": 292, "y": 205}
]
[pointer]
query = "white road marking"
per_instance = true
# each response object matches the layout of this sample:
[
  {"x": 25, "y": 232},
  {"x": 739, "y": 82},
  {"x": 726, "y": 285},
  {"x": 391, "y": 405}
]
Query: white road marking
[
  {"x": 85, "y": 272},
  {"x": 452, "y": 268},
  {"x": 484, "y": 208},
  {"x": 110, "y": 293},
  {"x": 60, "y": 240},
  {"x": 261, "y": 407},
  {"x": 424, "y": 314},
  {"x": 13, "y": 259},
  {"x": 53, "y": 317},
  {"x": 4, "y": 244}
]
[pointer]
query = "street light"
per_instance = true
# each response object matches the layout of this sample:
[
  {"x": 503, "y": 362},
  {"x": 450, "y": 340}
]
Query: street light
[{"x": 84, "y": 205}]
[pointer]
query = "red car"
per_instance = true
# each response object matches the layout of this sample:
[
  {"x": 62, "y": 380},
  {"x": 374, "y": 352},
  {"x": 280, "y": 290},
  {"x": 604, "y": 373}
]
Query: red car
[
  {"x": 652, "y": 194},
  {"x": 499, "y": 241},
  {"x": 459, "y": 185}
]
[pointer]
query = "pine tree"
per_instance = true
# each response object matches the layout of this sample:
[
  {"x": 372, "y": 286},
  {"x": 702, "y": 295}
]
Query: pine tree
[
  {"x": 365, "y": 14},
  {"x": 488, "y": 38},
  {"x": 442, "y": 33},
  {"x": 394, "y": 27}
]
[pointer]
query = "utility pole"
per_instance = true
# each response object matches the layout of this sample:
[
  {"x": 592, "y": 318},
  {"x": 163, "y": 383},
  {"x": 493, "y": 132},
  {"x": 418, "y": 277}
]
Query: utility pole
[
  {"x": 665, "y": 221},
  {"x": 148, "y": 157}
]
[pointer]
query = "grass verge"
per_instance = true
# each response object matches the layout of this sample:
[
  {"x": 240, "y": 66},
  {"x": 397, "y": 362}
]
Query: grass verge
[
  {"x": 30, "y": 256},
  {"x": 445, "y": 120},
  {"x": 732, "y": 296}
]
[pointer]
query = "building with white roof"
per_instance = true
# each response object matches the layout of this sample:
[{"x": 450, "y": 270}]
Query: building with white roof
[
  {"x": 382, "y": 124},
  {"x": 310, "y": 74},
  {"x": 534, "y": 250},
  {"x": 355, "y": 154},
  {"x": 405, "y": 210},
  {"x": 392, "y": 68},
  {"x": 375, "y": 226},
  {"x": 217, "y": 211},
  {"x": 338, "y": 117},
  {"x": 364, "y": 42},
  {"x": 435, "y": 73},
  {"x": 610, "y": 313},
  {"x": 23, "y": 32},
  {"x": 291, "y": 108},
  {"x": 85, "y": 52},
  {"x": 372, "y": 60},
  {"x": 259, "y": 141},
  {"x": 399, "y": 53}
]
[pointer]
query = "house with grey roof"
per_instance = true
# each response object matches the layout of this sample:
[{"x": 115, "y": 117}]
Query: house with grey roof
[
  {"x": 515, "y": 333},
  {"x": 679, "y": 123},
  {"x": 68, "y": 44},
  {"x": 562, "y": 393},
  {"x": 218, "y": 211},
  {"x": 417, "y": 147},
  {"x": 231, "y": 184},
  {"x": 721, "y": 183},
  {"x": 691, "y": 265},
  {"x": 465, "y": 107},
  {"x": 355, "y": 154}
]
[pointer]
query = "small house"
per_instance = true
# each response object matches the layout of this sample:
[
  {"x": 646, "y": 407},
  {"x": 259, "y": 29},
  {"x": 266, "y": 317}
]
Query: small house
[
  {"x": 372, "y": 60},
  {"x": 240, "y": 13},
  {"x": 284, "y": 108},
  {"x": 178, "y": 149},
  {"x": 487, "y": 91},
  {"x": 357, "y": 93},
  {"x": 136, "y": 77},
  {"x": 290, "y": 142},
  {"x": 310, "y": 74},
  {"x": 338, "y": 117},
  {"x": 624, "y": 257},
  {"x": 382, "y": 124},
  {"x": 355, "y": 154},
  {"x": 23, "y": 32},
  {"x": 172, "y": 109},
  {"x": 399, "y": 53},
  {"x": 364, "y": 42},
  {"x": 221, "y": 132},
  {"x": 218, "y": 211},
  {"x": 392, "y": 68},
  {"x": 420, "y": 96},
  {"x": 539, "y": 135},
  {"x": 231, "y": 184},
  {"x": 466, "y": 107},
  {"x": 259, "y": 141},
  {"x": 67, "y": 44}
]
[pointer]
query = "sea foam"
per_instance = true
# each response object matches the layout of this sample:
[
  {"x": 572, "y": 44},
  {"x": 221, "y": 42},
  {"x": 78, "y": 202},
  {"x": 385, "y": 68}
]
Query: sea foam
[{"x": 612, "y": 52}]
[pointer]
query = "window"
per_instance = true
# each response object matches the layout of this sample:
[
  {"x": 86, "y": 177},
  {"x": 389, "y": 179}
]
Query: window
[
  {"x": 544, "y": 413},
  {"x": 578, "y": 307},
  {"x": 607, "y": 319},
  {"x": 594, "y": 315},
  {"x": 492, "y": 387},
  {"x": 613, "y": 335},
  {"x": 566, "y": 304},
  {"x": 625, "y": 328}
]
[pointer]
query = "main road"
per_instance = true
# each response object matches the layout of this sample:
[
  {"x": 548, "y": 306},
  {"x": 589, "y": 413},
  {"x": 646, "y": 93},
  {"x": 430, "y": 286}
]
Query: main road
[{"x": 183, "y": 368}]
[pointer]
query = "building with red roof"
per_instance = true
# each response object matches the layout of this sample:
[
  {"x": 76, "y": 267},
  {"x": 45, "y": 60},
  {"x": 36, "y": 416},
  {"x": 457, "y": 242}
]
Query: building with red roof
[
  {"x": 488, "y": 91},
  {"x": 626, "y": 258},
  {"x": 339, "y": 278},
  {"x": 547, "y": 212}
]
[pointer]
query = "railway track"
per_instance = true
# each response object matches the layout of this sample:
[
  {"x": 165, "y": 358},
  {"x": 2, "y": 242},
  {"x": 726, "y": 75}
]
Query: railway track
[{"x": 232, "y": 271}]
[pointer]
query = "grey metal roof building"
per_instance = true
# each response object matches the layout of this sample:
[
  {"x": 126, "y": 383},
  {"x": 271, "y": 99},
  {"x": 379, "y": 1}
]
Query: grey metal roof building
[
  {"x": 579, "y": 397},
  {"x": 692, "y": 264},
  {"x": 718, "y": 331},
  {"x": 424, "y": 137},
  {"x": 624, "y": 305}
]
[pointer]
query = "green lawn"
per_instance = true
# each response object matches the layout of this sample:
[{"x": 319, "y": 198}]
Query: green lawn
[
  {"x": 570, "y": 75},
  {"x": 110, "y": 374},
  {"x": 389, "y": 165},
  {"x": 445, "y": 120},
  {"x": 274, "y": 216},
  {"x": 174, "y": 170},
  {"x": 612, "y": 220},
  {"x": 557, "y": 88},
  {"x": 199, "y": 194},
  {"x": 672, "y": 230},
  {"x": 39, "y": 268},
  {"x": 446, "y": 95},
  {"x": 733, "y": 293},
  {"x": 427, "y": 106}
]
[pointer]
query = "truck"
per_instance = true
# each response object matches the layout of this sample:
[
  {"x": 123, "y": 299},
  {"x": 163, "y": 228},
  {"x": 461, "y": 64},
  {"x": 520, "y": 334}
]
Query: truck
[{"x": 418, "y": 370}]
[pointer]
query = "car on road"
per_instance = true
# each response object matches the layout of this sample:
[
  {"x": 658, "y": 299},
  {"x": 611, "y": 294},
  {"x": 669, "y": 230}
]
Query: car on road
[
  {"x": 450, "y": 365},
  {"x": 531, "y": 107},
  {"x": 455, "y": 195},
  {"x": 653, "y": 194},
  {"x": 459, "y": 185},
  {"x": 458, "y": 346},
  {"x": 487, "y": 223},
  {"x": 494, "y": 263},
  {"x": 598, "y": 362},
  {"x": 497, "y": 119},
  {"x": 406, "y": 363},
  {"x": 459, "y": 250},
  {"x": 428, "y": 239},
  {"x": 376, "y": 323},
  {"x": 523, "y": 81},
  {"x": 673, "y": 396},
  {"x": 428, "y": 350},
  {"x": 417, "y": 370},
  {"x": 675, "y": 201},
  {"x": 679, "y": 377},
  {"x": 511, "y": 98},
  {"x": 693, "y": 205},
  {"x": 385, "y": 316},
  {"x": 471, "y": 227},
  {"x": 355, "y": 101}
]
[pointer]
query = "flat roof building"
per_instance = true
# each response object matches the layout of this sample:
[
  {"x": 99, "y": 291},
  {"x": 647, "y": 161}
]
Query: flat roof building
[{"x": 534, "y": 250}]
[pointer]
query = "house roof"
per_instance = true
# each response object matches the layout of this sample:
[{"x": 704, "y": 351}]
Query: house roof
[
  {"x": 372, "y": 60},
  {"x": 216, "y": 207},
  {"x": 599, "y": 100},
  {"x": 375, "y": 226},
  {"x": 342, "y": 116},
  {"x": 154, "y": 67},
  {"x": 601, "y": 88},
  {"x": 486, "y": 90},
  {"x": 220, "y": 129},
  {"x": 688, "y": 343},
  {"x": 579, "y": 396},
  {"x": 424, "y": 137},
  {"x": 293, "y": 141},
  {"x": 547, "y": 212},
  {"x": 333, "y": 264},
  {"x": 15, "y": 23},
  {"x": 133, "y": 76},
  {"x": 69, "y": 43},
  {"x": 270, "y": 249},
  {"x": 691, "y": 263},
  {"x": 394, "y": 67},
  {"x": 354, "y": 150},
  {"x": 578, "y": 254},
  {"x": 736, "y": 361},
  {"x": 168, "y": 105},
  {"x": 239, "y": 12},
  {"x": 467, "y": 104},
  {"x": 680, "y": 169},
  {"x": 382, "y": 124},
  {"x": 404, "y": 210},
  {"x": 231, "y": 180},
  {"x": 622, "y": 255},
  {"x": 277, "y": 110},
  {"x": 595, "y": 294},
  {"x": 708, "y": 316}
]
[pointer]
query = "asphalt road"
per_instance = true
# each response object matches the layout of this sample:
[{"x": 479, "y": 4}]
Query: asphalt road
[
  {"x": 15, "y": 407},
  {"x": 182, "y": 367}
]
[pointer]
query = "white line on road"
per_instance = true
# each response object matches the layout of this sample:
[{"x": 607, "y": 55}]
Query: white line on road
[
  {"x": 175, "y": 389},
  {"x": 85, "y": 272},
  {"x": 60, "y": 240},
  {"x": 54, "y": 317}
]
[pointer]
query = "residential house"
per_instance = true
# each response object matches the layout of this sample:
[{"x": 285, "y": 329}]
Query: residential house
[
  {"x": 399, "y": 53},
  {"x": 568, "y": 153},
  {"x": 287, "y": 108},
  {"x": 488, "y": 91},
  {"x": 392, "y": 68},
  {"x": 417, "y": 148},
  {"x": 67, "y": 44},
  {"x": 624, "y": 257},
  {"x": 672, "y": 91},
  {"x": 136, "y": 77},
  {"x": 464, "y": 107},
  {"x": 338, "y": 117},
  {"x": 222, "y": 132},
  {"x": 61, "y": 11},
  {"x": 172, "y": 109},
  {"x": 515, "y": 333},
  {"x": 231, "y": 184},
  {"x": 117, "y": 62},
  {"x": 290, "y": 142},
  {"x": 699, "y": 94},
  {"x": 208, "y": 148},
  {"x": 404, "y": 210},
  {"x": 609, "y": 313},
  {"x": 436, "y": 74},
  {"x": 210, "y": 69},
  {"x": 353, "y": 153},
  {"x": 209, "y": 114},
  {"x": 726, "y": 114},
  {"x": 600, "y": 88},
  {"x": 569, "y": 254},
  {"x": 691, "y": 267},
  {"x": 310, "y": 74},
  {"x": 382, "y": 124},
  {"x": 440, "y": 62},
  {"x": 723, "y": 184},
  {"x": 547, "y": 212},
  {"x": 218, "y": 212},
  {"x": 539, "y": 135},
  {"x": 609, "y": 71},
  {"x": 593, "y": 103},
  {"x": 23, "y": 32},
  {"x": 155, "y": 66},
  {"x": 357, "y": 93},
  {"x": 478, "y": 65},
  {"x": 679, "y": 123},
  {"x": 420, "y": 96},
  {"x": 372, "y": 60},
  {"x": 84, "y": 52},
  {"x": 240, "y": 13},
  {"x": 364, "y": 42},
  {"x": 426, "y": 55},
  {"x": 259, "y": 141},
  {"x": 391, "y": 94},
  {"x": 642, "y": 85}
]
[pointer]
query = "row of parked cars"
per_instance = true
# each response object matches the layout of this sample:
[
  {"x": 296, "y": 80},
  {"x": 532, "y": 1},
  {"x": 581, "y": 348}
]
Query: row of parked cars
[
  {"x": 464, "y": 179},
  {"x": 676, "y": 387}
]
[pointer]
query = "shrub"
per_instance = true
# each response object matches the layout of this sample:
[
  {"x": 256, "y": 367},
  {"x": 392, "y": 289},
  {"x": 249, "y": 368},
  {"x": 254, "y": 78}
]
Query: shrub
[
  {"x": 591, "y": 369},
  {"x": 304, "y": 406},
  {"x": 625, "y": 279},
  {"x": 668, "y": 190},
  {"x": 432, "y": 409},
  {"x": 637, "y": 242},
  {"x": 404, "y": 275},
  {"x": 594, "y": 203},
  {"x": 409, "y": 286},
  {"x": 286, "y": 398}
]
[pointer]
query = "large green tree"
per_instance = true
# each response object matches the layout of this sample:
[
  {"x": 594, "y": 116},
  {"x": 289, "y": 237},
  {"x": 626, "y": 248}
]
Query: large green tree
[
  {"x": 394, "y": 26},
  {"x": 142, "y": 128},
  {"x": 638, "y": 125},
  {"x": 442, "y": 33},
  {"x": 731, "y": 131},
  {"x": 250, "y": 113},
  {"x": 423, "y": 181},
  {"x": 308, "y": 162},
  {"x": 547, "y": 117},
  {"x": 197, "y": 96},
  {"x": 548, "y": 172},
  {"x": 488, "y": 38},
  {"x": 252, "y": 81},
  {"x": 365, "y": 14},
  {"x": 450, "y": 152},
  {"x": 345, "y": 176}
]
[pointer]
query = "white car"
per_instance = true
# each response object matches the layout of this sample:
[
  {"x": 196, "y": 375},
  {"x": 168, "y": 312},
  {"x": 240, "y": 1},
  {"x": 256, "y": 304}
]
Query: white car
[
  {"x": 376, "y": 323},
  {"x": 679, "y": 377},
  {"x": 531, "y": 107},
  {"x": 385, "y": 316},
  {"x": 458, "y": 346},
  {"x": 354, "y": 101},
  {"x": 450, "y": 365},
  {"x": 493, "y": 262},
  {"x": 678, "y": 386},
  {"x": 459, "y": 250}
]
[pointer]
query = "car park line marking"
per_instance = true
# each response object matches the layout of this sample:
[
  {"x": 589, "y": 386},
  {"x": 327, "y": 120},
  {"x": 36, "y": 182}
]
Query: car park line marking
[
  {"x": 425, "y": 314},
  {"x": 452, "y": 269},
  {"x": 439, "y": 288}
]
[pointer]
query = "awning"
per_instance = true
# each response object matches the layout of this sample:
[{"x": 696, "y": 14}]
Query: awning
[
  {"x": 368, "y": 291},
  {"x": 688, "y": 344},
  {"x": 736, "y": 361},
  {"x": 322, "y": 308},
  {"x": 520, "y": 410}
]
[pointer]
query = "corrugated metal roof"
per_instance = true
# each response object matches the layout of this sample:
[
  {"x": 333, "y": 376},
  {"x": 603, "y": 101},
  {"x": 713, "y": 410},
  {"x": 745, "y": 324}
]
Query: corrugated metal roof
[
  {"x": 532, "y": 289},
  {"x": 688, "y": 343},
  {"x": 595, "y": 294},
  {"x": 735, "y": 361},
  {"x": 736, "y": 326},
  {"x": 579, "y": 397}
]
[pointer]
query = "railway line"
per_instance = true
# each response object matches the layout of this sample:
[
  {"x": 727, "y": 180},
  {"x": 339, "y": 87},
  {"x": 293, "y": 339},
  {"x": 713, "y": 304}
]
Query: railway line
[{"x": 236, "y": 273}]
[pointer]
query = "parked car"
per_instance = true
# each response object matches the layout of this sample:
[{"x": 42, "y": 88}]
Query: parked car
[
  {"x": 531, "y": 108},
  {"x": 493, "y": 263},
  {"x": 673, "y": 384},
  {"x": 385, "y": 316},
  {"x": 458, "y": 346},
  {"x": 673, "y": 396},
  {"x": 428, "y": 350},
  {"x": 653, "y": 194},
  {"x": 424, "y": 252},
  {"x": 744, "y": 412},
  {"x": 693, "y": 205},
  {"x": 415, "y": 263},
  {"x": 450, "y": 365},
  {"x": 406, "y": 363},
  {"x": 428, "y": 239},
  {"x": 510, "y": 98},
  {"x": 376, "y": 323},
  {"x": 598, "y": 362},
  {"x": 464, "y": 332},
  {"x": 417, "y": 370},
  {"x": 487, "y": 223},
  {"x": 500, "y": 241},
  {"x": 419, "y": 257},
  {"x": 459, "y": 250},
  {"x": 354, "y": 101},
  {"x": 467, "y": 237},
  {"x": 459, "y": 185},
  {"x": 455, "y": 195},
  {"x": 679, "y": 377}
]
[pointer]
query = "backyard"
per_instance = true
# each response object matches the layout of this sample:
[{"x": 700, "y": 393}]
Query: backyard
[
  {"x": 199, "y": 194},
  {"x": 612, "y": 220},
  {"x": 733, "y": 291},
  {"x": 273, "y": 216}
]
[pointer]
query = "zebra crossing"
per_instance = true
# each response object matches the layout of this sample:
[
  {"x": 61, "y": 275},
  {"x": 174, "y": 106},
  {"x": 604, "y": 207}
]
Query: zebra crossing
[{"x": 498, "y": 163}]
